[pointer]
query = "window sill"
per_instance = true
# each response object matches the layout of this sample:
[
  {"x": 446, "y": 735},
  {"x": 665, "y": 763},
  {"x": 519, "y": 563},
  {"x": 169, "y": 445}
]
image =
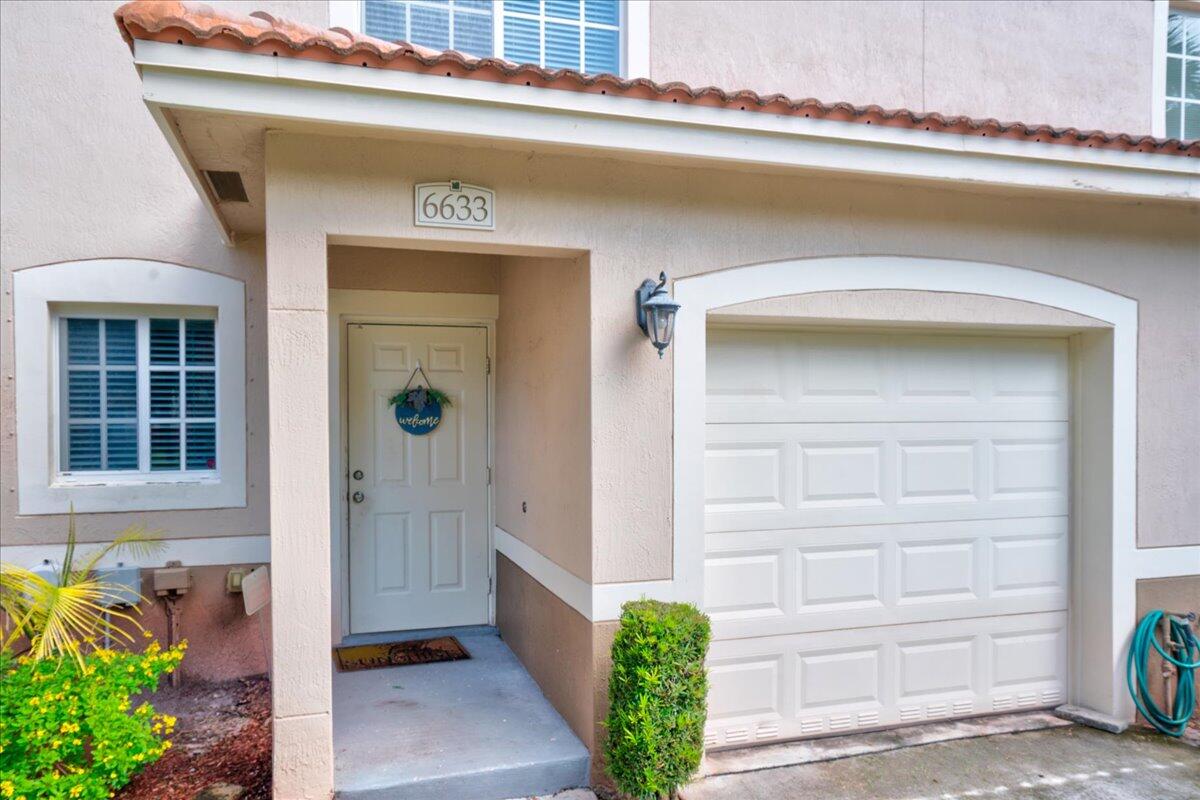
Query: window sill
[
  {"x": 94, "y": 494},
  {"x": 101, "y": 479}
]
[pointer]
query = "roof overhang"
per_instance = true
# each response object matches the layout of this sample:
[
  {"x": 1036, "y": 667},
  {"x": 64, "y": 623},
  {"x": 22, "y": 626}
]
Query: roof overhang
[{"x": 296, "y": 93}]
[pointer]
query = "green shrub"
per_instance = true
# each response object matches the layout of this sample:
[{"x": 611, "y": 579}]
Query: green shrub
[
  {"x": 657, "y": 697},
  {"x": 68, "y": 729}
]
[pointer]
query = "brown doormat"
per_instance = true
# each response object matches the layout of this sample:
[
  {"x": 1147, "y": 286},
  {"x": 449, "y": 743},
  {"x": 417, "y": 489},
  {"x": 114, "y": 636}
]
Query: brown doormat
[{"x": 399, "y": 654}]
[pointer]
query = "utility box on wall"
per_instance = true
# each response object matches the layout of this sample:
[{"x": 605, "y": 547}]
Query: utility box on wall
[{"x": 129, "y": 581}]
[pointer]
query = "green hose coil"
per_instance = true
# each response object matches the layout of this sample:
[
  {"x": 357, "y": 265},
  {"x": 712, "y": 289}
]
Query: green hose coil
[{"x": 1185, "y": 656}]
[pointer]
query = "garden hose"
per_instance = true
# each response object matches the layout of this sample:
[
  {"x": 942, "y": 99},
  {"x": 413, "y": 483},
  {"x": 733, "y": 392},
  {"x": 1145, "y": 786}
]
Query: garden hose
[{"x": 1184, "y": 655}]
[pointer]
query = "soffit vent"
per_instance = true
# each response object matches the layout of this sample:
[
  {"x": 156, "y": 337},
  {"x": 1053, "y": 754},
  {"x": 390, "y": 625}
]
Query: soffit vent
[{"x": 227, "y": 186}]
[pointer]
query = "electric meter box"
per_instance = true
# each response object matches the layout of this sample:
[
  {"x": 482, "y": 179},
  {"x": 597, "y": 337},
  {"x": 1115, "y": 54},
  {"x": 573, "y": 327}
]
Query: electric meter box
[
  {"x": 172, "y": 579},
  {"x": 48, "y": 571},
  {"x": 126, "y": 582}
]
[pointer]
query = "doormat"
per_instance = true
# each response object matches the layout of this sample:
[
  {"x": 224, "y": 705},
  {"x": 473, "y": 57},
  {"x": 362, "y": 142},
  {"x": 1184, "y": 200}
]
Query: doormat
[{"x": 399, "y": 654}]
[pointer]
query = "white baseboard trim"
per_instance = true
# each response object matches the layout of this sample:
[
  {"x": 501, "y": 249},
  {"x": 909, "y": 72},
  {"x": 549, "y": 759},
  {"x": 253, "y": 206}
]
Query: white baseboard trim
[
  {"x": 598, "y": 602},
  {"x": 203, "y": 552}
]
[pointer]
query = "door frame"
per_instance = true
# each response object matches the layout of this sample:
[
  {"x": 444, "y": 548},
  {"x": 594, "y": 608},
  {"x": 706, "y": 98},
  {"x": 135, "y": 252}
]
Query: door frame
[{"x": 351, "y": 306}]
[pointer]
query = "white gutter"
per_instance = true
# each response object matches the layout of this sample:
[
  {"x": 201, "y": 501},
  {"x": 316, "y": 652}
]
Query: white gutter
[{"x": 297, "y": 90}]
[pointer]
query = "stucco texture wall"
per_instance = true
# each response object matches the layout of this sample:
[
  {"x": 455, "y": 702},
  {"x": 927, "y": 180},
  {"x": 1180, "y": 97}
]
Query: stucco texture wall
[
  {"x": 635, "y": 219},
  {"x": 88, "y": 174},
  {"x": 1085, "y": 63},
  {"x": 399, "y": 270},
  {"x": 543, "y": 415}
]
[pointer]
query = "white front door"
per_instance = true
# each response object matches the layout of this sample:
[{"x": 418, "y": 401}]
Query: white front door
[
  {"x": 886, "y": 530},
  {"x": 419, "y": 504}
]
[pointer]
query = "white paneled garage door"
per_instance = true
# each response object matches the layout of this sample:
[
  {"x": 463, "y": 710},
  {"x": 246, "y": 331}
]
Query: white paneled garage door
[{"x": 886, "y": 529}]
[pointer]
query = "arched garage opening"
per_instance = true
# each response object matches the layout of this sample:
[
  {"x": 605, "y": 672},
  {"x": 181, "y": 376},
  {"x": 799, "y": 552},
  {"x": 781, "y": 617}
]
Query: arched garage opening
[{"x": 1100, "y": 473}]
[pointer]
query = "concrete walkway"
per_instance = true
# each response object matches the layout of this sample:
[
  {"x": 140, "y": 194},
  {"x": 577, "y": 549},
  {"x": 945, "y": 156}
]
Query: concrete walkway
[
  {"x": 478, "y": 729},
  {"x": 1070, "y": 762}
]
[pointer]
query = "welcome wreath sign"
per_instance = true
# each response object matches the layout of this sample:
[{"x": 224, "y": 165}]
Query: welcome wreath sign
[{"x": 419, "y": 409}]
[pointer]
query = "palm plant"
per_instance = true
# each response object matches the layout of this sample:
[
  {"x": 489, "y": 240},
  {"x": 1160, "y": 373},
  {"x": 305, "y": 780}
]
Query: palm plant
[{"x": 65, "y": 616}]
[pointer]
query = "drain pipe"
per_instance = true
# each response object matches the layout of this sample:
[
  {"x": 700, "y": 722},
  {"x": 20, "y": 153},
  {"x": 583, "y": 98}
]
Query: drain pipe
[{"x": 1181, "y": 659}]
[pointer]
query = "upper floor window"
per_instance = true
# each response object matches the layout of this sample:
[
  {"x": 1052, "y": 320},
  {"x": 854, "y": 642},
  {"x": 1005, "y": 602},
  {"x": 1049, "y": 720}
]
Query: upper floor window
[
  {"x": 138, "y": 395},
  {"x": 1183, "y": 75},
  {"x": 577, "y": 34}
]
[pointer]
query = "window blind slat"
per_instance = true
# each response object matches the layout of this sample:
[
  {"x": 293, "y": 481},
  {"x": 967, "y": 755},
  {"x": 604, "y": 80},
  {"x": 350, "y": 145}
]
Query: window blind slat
[
  {"x": 472, "y": 32},
  {"x": 386, "y": 19},
  {"x": 604, "y": 12},
  {"x": 122, "y": 452},
  {"x": 164, "y": 395},
  {"x": 164, "y": 447},
  {"x": 121, "y": 394},
  {"x": 83, "y": 393},
  {"x": 562, "y": 46},
  {"x": 522, "y": 40},
  {"x": 83, "y": 341},
  {"x": 201, "y": 445},
  {"x": 201, "y": 394},
  {"x": 567, "y": 9},
  {"x": 83, "y": 447},
  {"x": 523, "y": 7},
  {"x": 120, "y": 342},
  {"x": 164, "y": 341},
  {"x": 430, "y": 27},
  {"x": 200, "y": 348},
  {"x": 602, "y": 50}
]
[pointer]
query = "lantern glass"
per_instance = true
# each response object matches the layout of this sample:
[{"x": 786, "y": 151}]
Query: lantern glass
[
  {"x": 662, "y": 326},
  {"x": 660, "y": 319}
]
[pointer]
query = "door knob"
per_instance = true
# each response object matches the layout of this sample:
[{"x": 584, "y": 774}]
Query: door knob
[{"x": 357, "y": 497}]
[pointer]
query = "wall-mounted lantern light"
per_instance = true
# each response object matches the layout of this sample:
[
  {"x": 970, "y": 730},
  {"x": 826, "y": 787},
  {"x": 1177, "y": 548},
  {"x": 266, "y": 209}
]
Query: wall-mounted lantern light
[{"x": 656, "y": 312}]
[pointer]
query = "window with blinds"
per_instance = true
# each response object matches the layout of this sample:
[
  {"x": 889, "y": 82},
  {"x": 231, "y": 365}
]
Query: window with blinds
[
  {"x": 463, "y": 25},
  {"x": 1183, "y": 75},
  {"x": 138, "y": 395},
  {"x": 584, "y": 35},
  {"x": 574, "y": 34}
]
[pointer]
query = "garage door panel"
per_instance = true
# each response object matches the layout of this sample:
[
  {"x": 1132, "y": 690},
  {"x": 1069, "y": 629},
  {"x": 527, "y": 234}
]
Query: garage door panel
[
  {"x": 792, "y": 581},
  {"x": 886, "y": 529},
  {"x": 796, "y": 685},
  {"x": 780, "y": 376},
  {"x": 761, "y": 476}
]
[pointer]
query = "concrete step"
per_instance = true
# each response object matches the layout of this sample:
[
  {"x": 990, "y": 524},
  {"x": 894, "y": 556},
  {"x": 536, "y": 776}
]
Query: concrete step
[{"x": 478, "y": 729}]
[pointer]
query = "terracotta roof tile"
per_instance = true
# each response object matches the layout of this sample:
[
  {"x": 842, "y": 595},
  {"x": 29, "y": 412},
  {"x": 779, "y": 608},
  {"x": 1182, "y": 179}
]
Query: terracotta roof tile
[{"x": 200, "y": 25}]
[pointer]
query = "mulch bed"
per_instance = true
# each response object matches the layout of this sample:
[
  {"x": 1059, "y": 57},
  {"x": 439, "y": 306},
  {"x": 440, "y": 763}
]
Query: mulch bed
[{"x": 223, "y": 735}]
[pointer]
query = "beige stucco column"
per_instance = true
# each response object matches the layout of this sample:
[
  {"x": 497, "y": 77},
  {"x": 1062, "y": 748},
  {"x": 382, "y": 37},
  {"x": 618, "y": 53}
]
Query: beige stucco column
[{"x": 297, "y": 374}]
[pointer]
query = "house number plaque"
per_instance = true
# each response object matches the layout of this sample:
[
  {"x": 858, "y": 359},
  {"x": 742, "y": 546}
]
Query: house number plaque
[{"x": 454, "y": 204}]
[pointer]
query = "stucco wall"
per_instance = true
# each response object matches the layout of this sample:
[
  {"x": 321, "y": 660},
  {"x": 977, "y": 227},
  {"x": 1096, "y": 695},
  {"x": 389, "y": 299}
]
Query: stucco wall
[
  {"x": 649, "y": 218},
  {"x": 1068, "y": 62},
  {"x": 553, "y": 642},
  {"x": 88, "y": 174},
  {"x": 543, "y": 438},
  {"x": 398, "y": 270}
]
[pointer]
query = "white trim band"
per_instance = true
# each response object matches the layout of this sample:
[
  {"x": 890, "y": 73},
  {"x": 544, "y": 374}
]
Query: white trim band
[
  {"x": 205, "y": 552},
  {"x": 599, "y": 602},
  {"x": 283, "y": 90}
]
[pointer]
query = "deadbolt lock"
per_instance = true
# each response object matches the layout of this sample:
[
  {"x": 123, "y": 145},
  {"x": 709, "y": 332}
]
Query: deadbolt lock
[
  {"x": 357, "y": 475},
  {"x": 357, "y": 497}
]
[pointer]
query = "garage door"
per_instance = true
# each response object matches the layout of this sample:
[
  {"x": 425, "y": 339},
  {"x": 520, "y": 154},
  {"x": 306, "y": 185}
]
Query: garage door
[{"x": 886, "y": 530}]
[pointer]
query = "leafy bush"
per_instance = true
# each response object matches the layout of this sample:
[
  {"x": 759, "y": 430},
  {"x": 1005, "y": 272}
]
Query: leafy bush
[
  {"x": 66, "y": 725},
  {"x": 64, "y": 616},
  {"x": 657, "y": 697}
]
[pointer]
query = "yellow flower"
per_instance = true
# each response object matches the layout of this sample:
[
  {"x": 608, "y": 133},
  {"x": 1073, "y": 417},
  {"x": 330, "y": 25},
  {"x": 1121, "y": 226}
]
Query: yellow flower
[
  {"x": 7, "y": 788},
  {"x": 77, "y": 790}
]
